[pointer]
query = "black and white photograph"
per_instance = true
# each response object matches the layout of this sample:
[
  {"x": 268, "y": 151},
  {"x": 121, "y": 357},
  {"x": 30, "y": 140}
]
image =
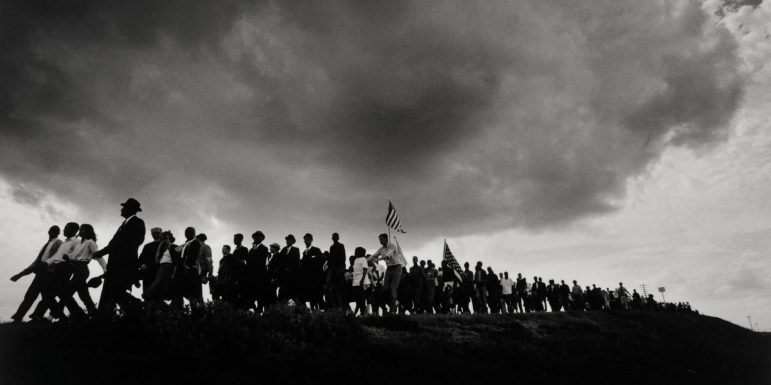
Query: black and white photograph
[{"x": 368, "y": 192}]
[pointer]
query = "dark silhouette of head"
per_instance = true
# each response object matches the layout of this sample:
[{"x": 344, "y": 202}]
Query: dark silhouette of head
[
  {"x": 53, "y": 231},
  {"x": 238, "y": 239},
  {"x": 202, "y": 237},
  {"x": 258, "y": 236},
  {"x": 290, "y": 240},
  {"x": 189, "y": 233},
  {"x": 87, "y": 232},
  {"x": 335, "y": 237},
  {"x": 225, "y": 250},
  {"x": 359, "y": 252},
  {"x": 129, "y": 208},
  {"x": 71, "y": 229},
  {"x": 308, "y": 239},
  {"x": 383, "y": 238}
]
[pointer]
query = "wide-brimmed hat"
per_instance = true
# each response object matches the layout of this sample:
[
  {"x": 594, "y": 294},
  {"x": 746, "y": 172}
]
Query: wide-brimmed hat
[{"x": 132, "y": 203}]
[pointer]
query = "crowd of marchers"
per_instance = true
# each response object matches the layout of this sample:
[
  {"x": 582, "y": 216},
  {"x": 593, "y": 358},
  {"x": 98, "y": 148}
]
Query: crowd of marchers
[{"x": 171, "y": 273}]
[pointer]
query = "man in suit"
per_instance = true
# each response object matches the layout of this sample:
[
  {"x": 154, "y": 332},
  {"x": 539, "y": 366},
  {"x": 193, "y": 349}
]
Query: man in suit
[
  {"x": 312, "y": 274},
  {"x": 273, "y": 266},
  {"x": 188, "y": 278},
  {"x": 123, "y": 261},
  {"x": 257, "y": 284},
  {"x": 335, "y": 273},
  {"x": 288, "y": 270},
  {"x": 38, "y": 267},
  {"x": 148, "y": 266}
]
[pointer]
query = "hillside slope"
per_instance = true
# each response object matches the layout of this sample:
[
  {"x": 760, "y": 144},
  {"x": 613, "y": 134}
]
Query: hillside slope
[{"x": 293, "y": 346}]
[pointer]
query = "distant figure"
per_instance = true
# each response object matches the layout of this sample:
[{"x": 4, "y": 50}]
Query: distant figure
[
  {"x": 577, "y": 296},
  {"x": 393, "y": 274},
  {"x": 623, "y": 296},
  {"x": 312, "y": 276},
  {"x": 37, "y": 267},
  {"x": 167, "y": 258},
  {"x": 239, "y": 251},
  {"x": 360, "y": 281},
  {"x": 553, "y": 296},
  {"x": 148, "y": 267},
  {"x": 521, "y": 292},
  {"x": 335, "y": 274},
  {"x": 187, "y": 280},
  {"x": 272, "y": 267},
  {"x": 480, "y": 289},
  {"x": 466, "y": 288},
  {"x": 564, "y": 295},
  {"x": 417, "y": 278},
  {"x": 228, "y": 276},
  {"x": 205, "y": 263},
  {"x": 79, "y": 259},
  {"x": 254, "y": 286},
  {"x": 62, "y": 271},
  {"x": 289, "y": 271},
  {"x": 493, "y": 291},
  {"x": 123, "y": 260},
  {"x": 431, "y": 284},
  {"x": 507, "y": 295}
]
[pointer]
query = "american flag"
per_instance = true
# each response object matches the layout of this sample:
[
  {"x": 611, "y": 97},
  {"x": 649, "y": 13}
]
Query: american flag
[
  {"x": 451, "y": 261},
  {"x": 392, "y": 219}
]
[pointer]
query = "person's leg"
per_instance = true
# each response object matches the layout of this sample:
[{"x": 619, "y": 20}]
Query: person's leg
[
  {"x": 78, "y": 284},
  {"x": 33, "y": 291}
]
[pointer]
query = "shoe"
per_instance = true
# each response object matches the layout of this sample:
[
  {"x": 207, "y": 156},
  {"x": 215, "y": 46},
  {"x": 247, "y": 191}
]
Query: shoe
[{"x": 38, "y": 319}]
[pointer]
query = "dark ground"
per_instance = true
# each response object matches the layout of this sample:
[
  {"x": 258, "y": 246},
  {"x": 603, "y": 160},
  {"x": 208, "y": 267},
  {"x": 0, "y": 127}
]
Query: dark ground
[{"x": 298, "y": 347}]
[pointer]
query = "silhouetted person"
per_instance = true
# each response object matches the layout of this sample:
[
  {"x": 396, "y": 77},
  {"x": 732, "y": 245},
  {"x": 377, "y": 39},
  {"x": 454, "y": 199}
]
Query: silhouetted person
[
  {"x": 288, "y": 270},
  {"x": 564, "y": 295},
  {"x": 493, "y": 287},
  {"x": 240, "y": 251},
  {"x": 417, "y": 278},
  {"x": 335, "y": 280},
  {"x": 205, "y": 262},
  {"x": 123, "y": 260},
  {"x": 273, "y": 266},
  {"x": 480, "y": 289},
  {"x": 58, "y": 285},
  {"x": 228, "y": 276},
  {"x": 521, "y": 292},
  {"x": 577, "y": 296},
  {"x": 507, "y": 293},
  {"x": 255, "y": 282},
  {"x": 187, "y": 279},
  {"x": 312, "y": 274},
  {"x": 393, "y": 274},
  {"x": 79, "y": 260},
  {"x": 37, "y": 267},
  {"x": 431, "y": 284},
  {"x": 466, "y": 289},
  {"x": 167, "y": 259},
  {"x": 360, "y": 280},
  {"x": 553, "y": 296},
  {"x": 148, "y": 267}
]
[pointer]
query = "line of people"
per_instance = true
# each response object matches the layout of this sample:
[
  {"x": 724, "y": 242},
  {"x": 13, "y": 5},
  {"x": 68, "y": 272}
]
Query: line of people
[{"x": 259, "y": 276}]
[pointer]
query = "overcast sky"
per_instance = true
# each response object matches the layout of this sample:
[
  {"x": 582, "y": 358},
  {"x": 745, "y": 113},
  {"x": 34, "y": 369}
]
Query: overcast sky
[{"x": 601, "y": 141}]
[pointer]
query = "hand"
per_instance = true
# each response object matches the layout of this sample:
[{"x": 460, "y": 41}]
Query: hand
[{"x": 15, "y": 277}]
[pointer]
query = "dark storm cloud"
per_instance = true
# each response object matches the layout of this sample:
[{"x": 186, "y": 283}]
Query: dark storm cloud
[{"x": 471, "y": 116}]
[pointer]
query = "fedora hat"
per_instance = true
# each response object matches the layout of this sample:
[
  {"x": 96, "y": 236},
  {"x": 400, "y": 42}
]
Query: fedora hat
[{"x": 132, "y": 203}]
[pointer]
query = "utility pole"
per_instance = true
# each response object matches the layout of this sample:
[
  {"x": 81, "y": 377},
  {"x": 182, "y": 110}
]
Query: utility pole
[
  {"x": 645, "y": 293},
  {"x": 750, "y": 321}
]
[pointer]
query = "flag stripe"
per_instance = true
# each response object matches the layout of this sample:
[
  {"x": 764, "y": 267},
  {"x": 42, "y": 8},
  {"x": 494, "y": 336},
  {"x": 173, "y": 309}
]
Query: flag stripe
[{"x": 392, "y": 219}]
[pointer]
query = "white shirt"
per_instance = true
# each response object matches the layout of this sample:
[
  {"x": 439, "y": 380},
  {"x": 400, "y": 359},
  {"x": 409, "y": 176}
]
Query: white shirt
[
  {"x": 360, "y": 267},
  {"x": 47, "y": 252},
  {"x": 166, "y": 257},
  {"x": 67, "y": 247},
  {"x": 506, "y": 284}
]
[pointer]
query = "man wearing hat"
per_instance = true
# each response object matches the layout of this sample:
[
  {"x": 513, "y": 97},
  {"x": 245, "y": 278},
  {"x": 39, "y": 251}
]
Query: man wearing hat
[
  {"x": 148, "y": 265},
  {"x": 123, "y": 261},
  {"x": 289, "y": 270},
  {"x": 312, "y": 274}
]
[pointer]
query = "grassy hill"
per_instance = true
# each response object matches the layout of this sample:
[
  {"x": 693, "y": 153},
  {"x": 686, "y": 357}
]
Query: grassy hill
[{"x": 298, "y": 347}]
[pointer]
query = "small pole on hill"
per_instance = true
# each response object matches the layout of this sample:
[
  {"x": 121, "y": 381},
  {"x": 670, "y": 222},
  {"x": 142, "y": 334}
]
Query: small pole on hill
[
  {"x": 750, "y": 321},
  {"x": 645, "y": 293}
]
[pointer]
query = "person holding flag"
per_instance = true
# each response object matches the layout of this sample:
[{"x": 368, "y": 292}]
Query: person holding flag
[{"x": 394, "y": 259}]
